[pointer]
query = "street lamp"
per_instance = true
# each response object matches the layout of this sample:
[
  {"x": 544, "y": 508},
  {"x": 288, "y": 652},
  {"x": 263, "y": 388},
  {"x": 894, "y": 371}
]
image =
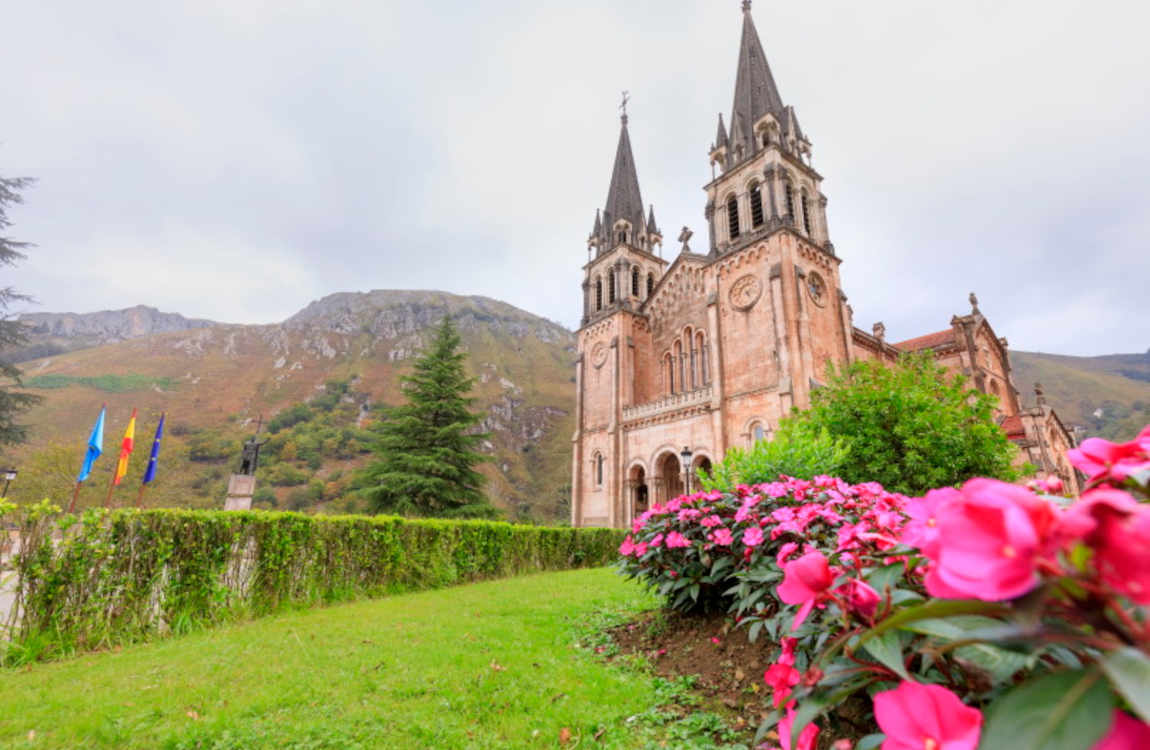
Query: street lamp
[
  {"x": 9, "y": 475},
  {"x": 685, "y": 454}
]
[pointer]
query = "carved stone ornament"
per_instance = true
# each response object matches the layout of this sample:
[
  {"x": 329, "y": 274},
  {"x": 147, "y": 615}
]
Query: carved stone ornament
[
  {"x": 745, "y": 292},
  {"x": 599, "y": 354},
  {"x": 817, "y": 288}
]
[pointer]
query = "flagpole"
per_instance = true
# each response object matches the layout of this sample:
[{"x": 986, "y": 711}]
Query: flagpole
[
  {"x": 111, "y": 489},
  {"x": 140, "y": 497},
  {"x": 75, "y": 495}
]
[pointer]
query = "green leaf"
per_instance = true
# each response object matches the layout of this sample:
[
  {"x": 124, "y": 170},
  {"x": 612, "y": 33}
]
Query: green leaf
[
  {"x": 1129, "y": 672},
  {"x": 1068, "y": 710},
  {"x": 887, "y": 648},
  {"x": 886, "y": 577},
  {"x": 1000, "y": 663},
  {"x": 934, "y": 608}
]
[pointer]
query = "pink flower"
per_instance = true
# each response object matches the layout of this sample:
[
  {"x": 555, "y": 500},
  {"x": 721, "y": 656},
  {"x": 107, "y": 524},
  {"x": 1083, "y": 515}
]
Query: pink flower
[
  {"x": 989, "y": 542},
  {"x": 785, "y": 552},
  {"x": 860, "y": 597},
  {"x": 753, "y": 536},
  {"x": 627, "y": 547},
  {"x": 788, "y": 653},
  {"x": 780, "y": 678},
  {"x": 922, "y": 529},
  {"x": 1052, "y": 484},
  {"x": 722, "y": 537},
  {"x": 807, "y": 737},
  {"x": 1101, "y": 459},
  {"x": 1118, "y": 529},
  {"x": 640, "y": 549},
  {"x": 657, "y": 541},
  {"x": 926, "y": 717},
  {"x": 1126, "y": 733},
  {"x": 675, "y": 539},
  {"x": 715, "y": 640},
  {"x": 805, "y": 580},
  {"x": 711, "y": 521}
]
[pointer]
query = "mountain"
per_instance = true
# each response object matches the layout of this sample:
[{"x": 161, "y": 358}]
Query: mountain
[
  {"x": 1108, "y": 395},
  {"x": 342, "y": 356},
  {"x": 57, "y": 333}
]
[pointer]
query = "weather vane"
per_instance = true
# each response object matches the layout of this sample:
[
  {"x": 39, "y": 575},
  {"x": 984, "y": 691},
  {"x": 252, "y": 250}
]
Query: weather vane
[{"x": 623, "y": 106}]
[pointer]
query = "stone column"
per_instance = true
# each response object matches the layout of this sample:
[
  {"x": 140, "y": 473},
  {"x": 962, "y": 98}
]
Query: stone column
[
  {"x": 710, "y": 214},
  {"x": 586, "y": 299},
  {"x": 771, "y": 175}
]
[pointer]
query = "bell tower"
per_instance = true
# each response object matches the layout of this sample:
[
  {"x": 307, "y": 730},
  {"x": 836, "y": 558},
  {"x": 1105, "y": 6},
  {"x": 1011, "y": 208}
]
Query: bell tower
[
  {"x": 763, "y": 178},
  {"x": 622, "y": 271}
]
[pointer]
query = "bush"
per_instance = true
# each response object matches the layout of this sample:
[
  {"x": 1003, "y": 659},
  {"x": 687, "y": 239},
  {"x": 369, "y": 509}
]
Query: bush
[
  {"x": 994, "y": 598},
  {"x": 285, "y": 475},
  {"x": 796, "y": 451},
  {"x": 128, "y": 575},
  {"x": 911, "y": 427}
]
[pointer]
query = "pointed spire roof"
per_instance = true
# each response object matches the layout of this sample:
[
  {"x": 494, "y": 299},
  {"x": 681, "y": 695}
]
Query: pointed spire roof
[
  {"x": 721, "y": 136},
  {"x": 652, "y": 228},
  {"x": 755, "y": 90},
  {"x": 623, "y": 198},
  {"x": 598, "y": 228}
]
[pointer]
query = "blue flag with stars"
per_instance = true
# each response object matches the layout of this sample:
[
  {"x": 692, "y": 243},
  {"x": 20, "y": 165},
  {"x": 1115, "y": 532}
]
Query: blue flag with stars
[{"x": 150, "y": 474}]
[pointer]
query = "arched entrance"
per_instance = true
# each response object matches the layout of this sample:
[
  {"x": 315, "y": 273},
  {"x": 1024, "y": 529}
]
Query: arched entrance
[
  {"x": 700, "y": 464},
  {"x": 639, "y": 492},
  {"x": 669, "y": 477}
]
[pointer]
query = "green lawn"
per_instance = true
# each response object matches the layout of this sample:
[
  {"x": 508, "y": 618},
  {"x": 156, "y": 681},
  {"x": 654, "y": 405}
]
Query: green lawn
[{"x": 486, "y": 665}]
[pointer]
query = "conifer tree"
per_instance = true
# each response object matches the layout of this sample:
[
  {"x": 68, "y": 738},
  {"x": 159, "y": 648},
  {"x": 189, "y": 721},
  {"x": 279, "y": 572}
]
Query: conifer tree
[
  {"x": 427, "y": 447},
  {"x": 12, "y": 332}
]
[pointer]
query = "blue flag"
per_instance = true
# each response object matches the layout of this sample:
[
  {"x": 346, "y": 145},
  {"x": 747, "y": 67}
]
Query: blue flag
[
  {"x": 95, "y": 446},
  {"x": 150, "y": 474}
]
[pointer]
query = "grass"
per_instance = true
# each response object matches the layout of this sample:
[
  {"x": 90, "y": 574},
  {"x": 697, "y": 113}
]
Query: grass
[{"x": 490, "y": 665}]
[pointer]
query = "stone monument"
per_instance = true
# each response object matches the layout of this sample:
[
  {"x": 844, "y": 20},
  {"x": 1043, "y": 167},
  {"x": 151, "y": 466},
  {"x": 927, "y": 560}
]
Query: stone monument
[{"x": 242, "y": 486}]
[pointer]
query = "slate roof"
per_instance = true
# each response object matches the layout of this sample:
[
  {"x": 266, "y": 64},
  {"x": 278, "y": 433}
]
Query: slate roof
[
  {"x": 755, "y": 90},
  {"x": 721, "y": 136},
  {"x": 623, "y": 198},
  {"x": 934, "y": 340}
]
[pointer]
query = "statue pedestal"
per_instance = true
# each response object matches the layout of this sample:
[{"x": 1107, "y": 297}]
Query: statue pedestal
[{"x": 241, "y": 487}]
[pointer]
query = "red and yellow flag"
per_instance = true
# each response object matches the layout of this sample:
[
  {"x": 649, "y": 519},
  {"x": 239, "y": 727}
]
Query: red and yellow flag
[{"x": 126, "y": 450}]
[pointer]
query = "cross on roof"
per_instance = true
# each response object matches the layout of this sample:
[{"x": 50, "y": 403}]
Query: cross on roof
[{"x": 623, "y": 106}]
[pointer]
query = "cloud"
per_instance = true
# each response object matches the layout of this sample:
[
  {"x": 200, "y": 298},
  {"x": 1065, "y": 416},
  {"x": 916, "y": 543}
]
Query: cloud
[{"x": 237, "y": 159}]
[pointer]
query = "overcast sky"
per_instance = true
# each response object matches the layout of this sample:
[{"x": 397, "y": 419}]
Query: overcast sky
[{"x": 237, "y": 159}]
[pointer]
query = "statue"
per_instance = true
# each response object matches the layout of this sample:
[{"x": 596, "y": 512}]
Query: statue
[
  {"x": 250, "y": 456},
  {"x": 974, "y": 304}
]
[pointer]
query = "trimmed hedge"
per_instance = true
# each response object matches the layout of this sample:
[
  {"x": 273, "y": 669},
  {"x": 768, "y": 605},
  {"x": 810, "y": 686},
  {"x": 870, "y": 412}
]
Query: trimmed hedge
[{"x": 105, "y": 578}]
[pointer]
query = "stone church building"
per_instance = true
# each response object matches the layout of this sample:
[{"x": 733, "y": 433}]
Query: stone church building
[{"x": 713, "y": 348}]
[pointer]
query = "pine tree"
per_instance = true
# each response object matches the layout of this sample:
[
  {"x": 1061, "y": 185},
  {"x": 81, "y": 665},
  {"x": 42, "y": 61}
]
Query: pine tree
[
  {"x": 12, "y": 332},
  {"x": 426, "y": 448}
]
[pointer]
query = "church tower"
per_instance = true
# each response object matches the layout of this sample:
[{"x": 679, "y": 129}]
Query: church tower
[{"x": 621, "y": 273}]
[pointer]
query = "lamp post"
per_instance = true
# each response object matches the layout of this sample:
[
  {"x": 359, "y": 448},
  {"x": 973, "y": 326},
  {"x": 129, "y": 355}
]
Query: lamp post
[
  {"x": 9, "y": 475},
  {"x": 685, "y": 454}
]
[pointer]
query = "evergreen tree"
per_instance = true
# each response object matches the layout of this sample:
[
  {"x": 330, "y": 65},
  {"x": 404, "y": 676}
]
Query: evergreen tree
[
  {"x": 12, "y": 332},
  {"x": 426, "y": 448}
]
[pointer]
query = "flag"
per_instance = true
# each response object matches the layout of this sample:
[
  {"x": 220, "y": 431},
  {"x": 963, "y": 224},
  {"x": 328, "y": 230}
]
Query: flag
[
  {"x": 126, "y": 450},
  {"x": 95, "y": 445},
  {"x": 150, "y": 474}
]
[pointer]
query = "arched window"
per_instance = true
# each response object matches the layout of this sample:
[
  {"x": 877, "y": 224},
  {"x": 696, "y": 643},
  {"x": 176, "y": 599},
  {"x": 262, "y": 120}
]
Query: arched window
[
  {"x": 704, "y": 361},
  {"x": 599, "y": 469},
  {"x": 806, "y": 213},
  {"x": 758, "y": 432},
  {"x": 790, "y": 194},
  {"x": 733, "y": 217},
  {"x": 691, "y": 355},
  {"x": 680, "y": 365},
  {"x": 598, "y": 294},
  {"x": 635, "y": 281},
  {"x": 623, "y": 236},
  {"x": 756, "y": 205},
  {"x": 669, "y": 372},
  {"x": 766, "y": 138},
  {"x": 650, "y": 284},
  {"x": 611, "y": 288}
]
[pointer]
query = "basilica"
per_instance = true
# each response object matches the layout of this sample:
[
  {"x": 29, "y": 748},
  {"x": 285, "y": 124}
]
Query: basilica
[{"x": 680, "y": 360}]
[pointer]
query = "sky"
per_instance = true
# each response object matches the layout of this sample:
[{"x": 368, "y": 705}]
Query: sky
[{"x": 236, "y": 159}]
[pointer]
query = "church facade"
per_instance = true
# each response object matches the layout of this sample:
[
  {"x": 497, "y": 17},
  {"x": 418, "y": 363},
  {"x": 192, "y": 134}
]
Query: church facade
[{"x": 680, "y": 360}]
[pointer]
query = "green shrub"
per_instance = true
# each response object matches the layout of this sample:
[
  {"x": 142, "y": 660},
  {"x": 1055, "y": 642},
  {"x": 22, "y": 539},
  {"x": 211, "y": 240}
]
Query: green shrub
[
  {"x": 285, "y": 475},
  {"x": 797, "y": 450},
  {"x": 128, "y": 575}
]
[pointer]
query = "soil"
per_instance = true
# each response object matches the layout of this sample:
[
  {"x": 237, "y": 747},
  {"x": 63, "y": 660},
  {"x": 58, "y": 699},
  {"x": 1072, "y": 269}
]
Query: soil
[{"x": 729, "y": 667}]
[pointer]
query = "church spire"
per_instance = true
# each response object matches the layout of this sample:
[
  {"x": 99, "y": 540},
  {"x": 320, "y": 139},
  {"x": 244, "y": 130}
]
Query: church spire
[
  {"x": 623, "y": 198},
  {"x": 755, "y": 92}
]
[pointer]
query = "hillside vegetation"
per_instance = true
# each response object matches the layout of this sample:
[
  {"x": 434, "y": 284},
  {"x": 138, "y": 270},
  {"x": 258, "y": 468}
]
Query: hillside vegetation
[
  {"x": 1109, "y": 395},
  {"x": 317, "y": 379}
]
